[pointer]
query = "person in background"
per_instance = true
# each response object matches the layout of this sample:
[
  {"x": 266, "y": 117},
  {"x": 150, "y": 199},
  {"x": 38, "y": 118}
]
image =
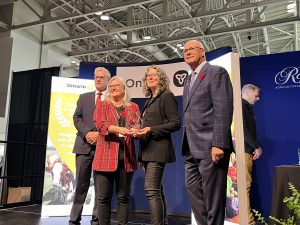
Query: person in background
[
  {"x": 159, "y": 119},
  {"x": 207, "y": 141},
  {"x": 84, "y": 146},
  {"x": 115, "y": 159},
  {"x": 250, "y": 95}
]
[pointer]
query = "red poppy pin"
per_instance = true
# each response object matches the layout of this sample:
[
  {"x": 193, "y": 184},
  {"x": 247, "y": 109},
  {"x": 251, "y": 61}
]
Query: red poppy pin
[{"x": 201, "y": 76}]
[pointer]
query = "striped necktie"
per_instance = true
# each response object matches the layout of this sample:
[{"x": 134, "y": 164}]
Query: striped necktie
[{"x": 193, "y": 78}]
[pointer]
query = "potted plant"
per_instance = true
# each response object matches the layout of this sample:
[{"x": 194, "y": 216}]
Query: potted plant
[{"x": 293, "y": 204}]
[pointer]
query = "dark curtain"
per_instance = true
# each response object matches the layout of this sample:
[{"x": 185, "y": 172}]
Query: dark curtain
[{"x": 28, "y": 126}]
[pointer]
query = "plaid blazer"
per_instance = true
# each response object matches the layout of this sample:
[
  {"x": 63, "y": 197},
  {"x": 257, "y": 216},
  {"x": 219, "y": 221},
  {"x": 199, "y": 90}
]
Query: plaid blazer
[
  {"x": 208, "y": 109},
  {"x": 107, "y": 147}
]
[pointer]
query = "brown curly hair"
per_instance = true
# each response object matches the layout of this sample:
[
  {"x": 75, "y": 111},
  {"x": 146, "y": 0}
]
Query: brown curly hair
[{"x": 163, "y": 84}]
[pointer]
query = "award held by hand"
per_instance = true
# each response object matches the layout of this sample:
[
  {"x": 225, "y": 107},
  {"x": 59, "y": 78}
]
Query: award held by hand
[{"x": 134, "y": 123}]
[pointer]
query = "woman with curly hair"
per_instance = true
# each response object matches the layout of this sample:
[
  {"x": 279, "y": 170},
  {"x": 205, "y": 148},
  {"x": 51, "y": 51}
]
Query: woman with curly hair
[{"x": 159, "y": 119}]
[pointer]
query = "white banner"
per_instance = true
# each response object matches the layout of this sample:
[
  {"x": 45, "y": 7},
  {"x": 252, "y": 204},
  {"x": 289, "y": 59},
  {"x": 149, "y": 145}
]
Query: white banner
[
  {"x": 59, "y": 181},
  {"x": 177, "y": 73}
]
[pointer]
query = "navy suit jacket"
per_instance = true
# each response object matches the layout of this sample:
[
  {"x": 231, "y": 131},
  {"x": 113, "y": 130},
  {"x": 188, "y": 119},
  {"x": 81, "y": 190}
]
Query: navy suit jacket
[
  {"x": 83, "y": 121},
  {"x": 208, "y": 109}
]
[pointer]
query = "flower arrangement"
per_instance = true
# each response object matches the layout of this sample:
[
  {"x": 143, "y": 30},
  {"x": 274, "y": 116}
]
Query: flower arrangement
[{"x": 293, "y": 204}]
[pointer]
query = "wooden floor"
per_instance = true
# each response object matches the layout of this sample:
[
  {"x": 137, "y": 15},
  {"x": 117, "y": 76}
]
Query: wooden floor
[{"x": 30, "y": 215}]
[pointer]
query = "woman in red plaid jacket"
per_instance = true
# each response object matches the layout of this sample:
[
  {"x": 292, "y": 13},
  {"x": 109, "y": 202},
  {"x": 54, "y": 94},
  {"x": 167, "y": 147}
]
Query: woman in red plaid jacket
[{"x": 115, "y": 160}]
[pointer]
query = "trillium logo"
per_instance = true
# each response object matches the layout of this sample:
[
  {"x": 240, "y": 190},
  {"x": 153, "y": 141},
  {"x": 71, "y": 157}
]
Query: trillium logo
[
  {"x": 179, "y": 78},
  {"x": 289, "y": 77}
]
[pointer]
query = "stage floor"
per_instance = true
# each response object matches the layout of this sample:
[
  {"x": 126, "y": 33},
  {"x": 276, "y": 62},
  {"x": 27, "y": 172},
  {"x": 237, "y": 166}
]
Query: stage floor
[{"x": 31, "y": 215}]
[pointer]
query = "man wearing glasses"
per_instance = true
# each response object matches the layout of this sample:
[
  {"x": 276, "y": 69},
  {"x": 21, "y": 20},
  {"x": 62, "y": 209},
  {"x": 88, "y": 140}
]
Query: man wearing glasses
[
  {"x": 207, "y": 142},
  {"x": 85, "y": 143}
]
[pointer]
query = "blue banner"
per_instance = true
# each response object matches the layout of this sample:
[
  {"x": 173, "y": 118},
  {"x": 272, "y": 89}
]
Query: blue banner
[{"x": 277, "y": 118}]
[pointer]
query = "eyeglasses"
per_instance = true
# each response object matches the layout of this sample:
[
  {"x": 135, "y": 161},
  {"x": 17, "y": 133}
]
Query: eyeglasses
[
  {"x": 151, "y": 75},
  {"x": 114, "y": 85},
  {"x": 191, "y": 49},
  {"x": 99, "y": 78}
]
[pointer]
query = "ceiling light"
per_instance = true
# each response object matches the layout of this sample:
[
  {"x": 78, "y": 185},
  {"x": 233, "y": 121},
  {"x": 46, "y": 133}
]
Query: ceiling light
[
  {"x": 147, "y": 37},
  {"x": 98, "y": 13},
  {"x": 179, "y": 45},
  {"x": 73, "y": 61},
  {"x": 104, "y": 17}
]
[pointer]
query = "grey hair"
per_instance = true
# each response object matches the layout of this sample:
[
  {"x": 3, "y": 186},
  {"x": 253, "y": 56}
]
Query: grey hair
[
  {"x": 164, "y": 82},
  {"x": 126, "y": 98},
  {"x": 248, "y": 87},
  {"x": 106, "y": 71}
]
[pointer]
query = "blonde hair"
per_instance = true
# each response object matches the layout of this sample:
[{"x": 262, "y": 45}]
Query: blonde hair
[
  {"x": 163, "y": 84},
  {"x": 126, "y": 98}
]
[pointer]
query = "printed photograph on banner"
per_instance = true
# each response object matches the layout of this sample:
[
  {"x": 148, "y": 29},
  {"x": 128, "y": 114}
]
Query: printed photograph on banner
[{"x": 60, "y": 179}]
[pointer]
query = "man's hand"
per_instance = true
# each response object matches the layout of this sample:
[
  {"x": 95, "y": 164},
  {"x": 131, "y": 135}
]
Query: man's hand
[
  {"x": 91, "y": 137},
  {"x": 257, "y": 153},
  {"x": 216, "y": 154}
]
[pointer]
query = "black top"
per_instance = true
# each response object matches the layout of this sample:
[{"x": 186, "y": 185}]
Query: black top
[
  {"x": 121, "y": 123},
  {"x": 161, "y": 115},
  {"x": 249, "y": 125}
]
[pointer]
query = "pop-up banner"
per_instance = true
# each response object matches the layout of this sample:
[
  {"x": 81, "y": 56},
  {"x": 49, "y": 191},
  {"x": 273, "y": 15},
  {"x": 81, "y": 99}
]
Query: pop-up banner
[{"x": 59, "y": 181}]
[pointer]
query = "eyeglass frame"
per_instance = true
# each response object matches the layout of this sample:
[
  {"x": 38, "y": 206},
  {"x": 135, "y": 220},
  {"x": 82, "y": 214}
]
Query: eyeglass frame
[
  {"x": 191, "y": 49},
  {"x": 151, "y": 75},
  {"x": 115, "y": 85}
]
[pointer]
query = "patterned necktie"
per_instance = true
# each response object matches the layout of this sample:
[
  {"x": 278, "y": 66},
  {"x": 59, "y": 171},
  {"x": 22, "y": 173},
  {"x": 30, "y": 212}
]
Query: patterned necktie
[
  {"x": 193, "y": 78},
  {"x": 98, "y": 99}
]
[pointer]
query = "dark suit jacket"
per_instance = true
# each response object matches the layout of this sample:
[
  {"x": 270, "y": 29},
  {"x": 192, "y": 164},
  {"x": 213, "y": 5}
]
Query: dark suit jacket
[
  {"x": 83, "y": 121},
  {"x": 161, "y": 114},
  {"x": 250, "y": 138},
  {"x": 208, "y": 109}
]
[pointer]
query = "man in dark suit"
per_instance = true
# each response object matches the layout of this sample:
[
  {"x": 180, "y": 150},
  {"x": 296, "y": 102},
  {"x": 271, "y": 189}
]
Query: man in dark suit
[
  {"x": 207, "y": 143},
  {"x": 250, "y": 95},
  {"x": 84, "y": 146}
]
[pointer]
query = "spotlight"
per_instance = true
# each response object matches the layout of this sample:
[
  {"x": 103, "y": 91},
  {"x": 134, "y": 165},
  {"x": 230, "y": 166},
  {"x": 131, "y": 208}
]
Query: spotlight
[
  {"x": 249, "y": 36},
  {"x": 147, "y": 37},
  {"x": 104, "y": 17}
]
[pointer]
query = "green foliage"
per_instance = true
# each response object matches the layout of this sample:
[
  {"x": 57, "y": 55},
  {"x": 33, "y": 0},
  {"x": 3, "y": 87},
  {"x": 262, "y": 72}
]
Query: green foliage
[{"x": 293, "y": 204}]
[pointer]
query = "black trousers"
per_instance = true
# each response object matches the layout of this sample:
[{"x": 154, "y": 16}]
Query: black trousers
[
  {"x": 155, "y": 193},
  {"x": 104, "y": 185},
  {"x": 83, "y": 176},
  {"x": 206, "y": 184}
]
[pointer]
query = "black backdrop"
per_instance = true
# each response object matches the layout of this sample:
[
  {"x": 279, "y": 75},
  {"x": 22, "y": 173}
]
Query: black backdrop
[{"x": 27, "y": 130}]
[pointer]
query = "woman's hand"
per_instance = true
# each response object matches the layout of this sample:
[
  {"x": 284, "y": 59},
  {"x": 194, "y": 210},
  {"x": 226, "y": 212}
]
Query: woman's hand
[
  {"x": 124, "y": 131},
  {"x": 135, "y": 132},
  {"x": 144, "y": 131}
]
